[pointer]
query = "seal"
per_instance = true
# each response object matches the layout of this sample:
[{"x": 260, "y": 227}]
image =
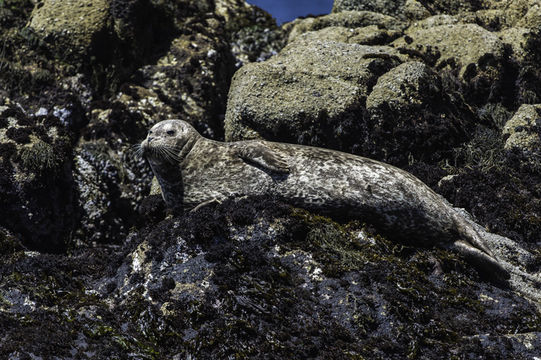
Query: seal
[{"x": 193, "y": 170}]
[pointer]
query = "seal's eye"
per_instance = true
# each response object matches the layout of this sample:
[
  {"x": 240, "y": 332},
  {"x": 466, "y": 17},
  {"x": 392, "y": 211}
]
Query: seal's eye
[
  {"x": 150, "y": 132},
  {"x": 171, "y": 132}
]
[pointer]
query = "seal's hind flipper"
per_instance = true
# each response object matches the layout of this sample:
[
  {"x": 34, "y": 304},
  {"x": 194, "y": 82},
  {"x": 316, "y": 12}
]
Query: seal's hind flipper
[
  {"x": 258, "y": 154},
  {"x": 486, "y": 264}
]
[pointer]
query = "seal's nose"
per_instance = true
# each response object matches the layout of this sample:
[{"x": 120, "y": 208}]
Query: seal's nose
[{"x": 149, "y": 139}]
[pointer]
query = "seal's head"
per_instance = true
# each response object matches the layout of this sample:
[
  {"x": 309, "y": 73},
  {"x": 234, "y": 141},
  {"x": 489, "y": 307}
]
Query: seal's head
[{"x": 169, "y": 141}]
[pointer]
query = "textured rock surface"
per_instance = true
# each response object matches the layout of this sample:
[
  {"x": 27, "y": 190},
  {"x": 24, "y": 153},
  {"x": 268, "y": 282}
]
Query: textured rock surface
[
  {"x": 92, "y": 264},
  {"x": 410, "y": 115},
  {"x": 317, "y": 89},
  {"x": 36, "y": 175},
  {"x": 259, "y": 279},
  {"x": 346, "y": 19},
  {"x": 56, "y": 21},
  {"x": 524, "y": 129},
  {"x": 470, "y": 46}
]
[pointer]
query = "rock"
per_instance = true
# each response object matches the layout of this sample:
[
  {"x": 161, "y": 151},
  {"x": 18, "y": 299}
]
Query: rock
[
  {"x": 9, "y": 243},
  {"x": 477, "y": 55},
  {"x": 345, "y": 19},
  {"x": 517, "y": 38},
  {"x": 470, "y": 46},
  {"x": 311, "y": 93},
  {"x": 55, "y": 20},
  {"x": 252, "y": 32},
  {"x": 256, "y": 277},
  {"x": 189, "y": 81},
  {"x": 523, "y": 130},
  {"x": 368, "y": 35},
  {"x": 253, "y": 277},
  {"x": 111, "y": 186},
  {"x": 412, "y": 9},
  {"x": 37, "y": 187},
  {"x": 415, "y": 10},
  {"x": 412, "y": 116},
  {"x": 387, "y": 7}
]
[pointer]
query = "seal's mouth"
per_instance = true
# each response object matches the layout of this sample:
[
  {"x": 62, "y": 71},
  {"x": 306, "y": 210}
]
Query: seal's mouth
[
  {"x": 145, "y": 150},
  {"x": 160, "y": 152}
]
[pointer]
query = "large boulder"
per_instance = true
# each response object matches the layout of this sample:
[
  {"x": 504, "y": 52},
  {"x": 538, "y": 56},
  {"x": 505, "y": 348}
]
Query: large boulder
[
  {"x": 476, "y": 54},
  {"x": 412, "y": 117},
  {"x": 258, "y": 278},
  {"x": 312, "y": 93},
  {"x": 72, "y": 38}
]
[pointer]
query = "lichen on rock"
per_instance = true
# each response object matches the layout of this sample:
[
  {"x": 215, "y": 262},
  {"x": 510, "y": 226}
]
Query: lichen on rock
[{"x": 93, "y": 264}]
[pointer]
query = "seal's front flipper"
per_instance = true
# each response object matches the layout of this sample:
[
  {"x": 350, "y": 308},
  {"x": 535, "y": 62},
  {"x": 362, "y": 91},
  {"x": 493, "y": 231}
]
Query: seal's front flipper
[
  {"x": 260, "y": 155},
  {"x": 487, "y": 266}
]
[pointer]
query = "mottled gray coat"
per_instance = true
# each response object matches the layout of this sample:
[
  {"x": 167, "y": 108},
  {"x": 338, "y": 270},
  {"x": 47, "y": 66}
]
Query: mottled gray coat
[{"x": 193, "y": 170}]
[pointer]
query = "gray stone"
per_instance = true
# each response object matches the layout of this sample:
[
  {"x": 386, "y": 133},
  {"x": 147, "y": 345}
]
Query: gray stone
[
  {"x": 345, "y": 19},
  {"x": 412, "y": 116},
  {"x": 524, "y": 129},
  {"x": 71, "y": 25},
  {"x": 473, "y": 48},
  {"x": 311, "y": 93}
]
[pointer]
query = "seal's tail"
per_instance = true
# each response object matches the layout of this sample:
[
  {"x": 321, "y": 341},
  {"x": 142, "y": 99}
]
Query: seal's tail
[
  {"x": 476, "y": 251},
  {"x": 487, "y": 265}
]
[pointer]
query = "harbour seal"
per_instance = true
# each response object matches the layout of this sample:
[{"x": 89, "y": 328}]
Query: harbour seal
[{"x": 193, "y": 170}]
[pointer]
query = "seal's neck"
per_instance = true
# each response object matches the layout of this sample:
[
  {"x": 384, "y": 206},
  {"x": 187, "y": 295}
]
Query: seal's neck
[{"x": 187, "y": 147}]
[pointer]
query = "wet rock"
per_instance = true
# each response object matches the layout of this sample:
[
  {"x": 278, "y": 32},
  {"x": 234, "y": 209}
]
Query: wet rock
[
  {"x": 256, "y": 277},
  {"x": 523, "y": 130}
]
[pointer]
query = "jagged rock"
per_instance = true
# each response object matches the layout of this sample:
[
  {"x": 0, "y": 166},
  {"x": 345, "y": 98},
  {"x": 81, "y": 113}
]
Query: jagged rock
[
  {"x": 524, "y": 129},
  {"x": 37, "y": 192},
  {"x": 257, "y": 278}
]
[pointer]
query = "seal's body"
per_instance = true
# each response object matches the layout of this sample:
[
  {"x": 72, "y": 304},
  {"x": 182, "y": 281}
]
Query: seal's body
[{"x": 193, "y": 170}]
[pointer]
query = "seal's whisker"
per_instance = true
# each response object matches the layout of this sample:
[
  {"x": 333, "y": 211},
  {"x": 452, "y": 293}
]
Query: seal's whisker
[{"x": 171, "y": 155}]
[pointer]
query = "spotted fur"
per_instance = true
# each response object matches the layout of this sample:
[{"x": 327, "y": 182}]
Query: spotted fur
[{"x": 193, "y": 170}]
